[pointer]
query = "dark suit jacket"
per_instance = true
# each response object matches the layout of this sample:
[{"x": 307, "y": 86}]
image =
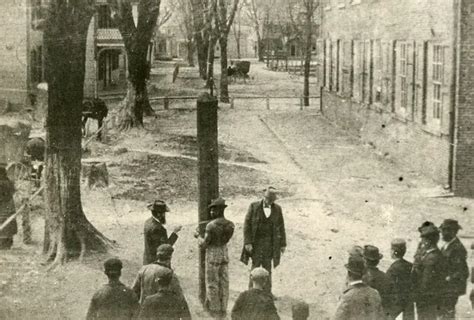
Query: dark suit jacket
[
  {"x": 359, "y": 302},
  {"x": 113, "y": 301},
  {"x": 401, "y": 285},
  {"x": 155, "y": 235},
  {"x": 458, "y": 271},
  {"x": 430, "y": 277},
  {"x": 379, "y": 281},
  {"x": 251, "y": 225},
  {"x": 165, "y": 305},
  {"x": 254, "y": 304}
]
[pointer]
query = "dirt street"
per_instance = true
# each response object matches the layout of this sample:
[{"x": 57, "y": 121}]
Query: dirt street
[{"x": 335, "y": 193}]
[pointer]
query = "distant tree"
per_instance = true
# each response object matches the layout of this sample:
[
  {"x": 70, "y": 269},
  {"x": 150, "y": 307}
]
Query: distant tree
[
  {"x": 237, "y": 29},
  {"x": 185, "y": 16},
  {"x": 67, "y": 230},
  {"x": 137, "y": 42},
  {"x": 200, "y": 19}
]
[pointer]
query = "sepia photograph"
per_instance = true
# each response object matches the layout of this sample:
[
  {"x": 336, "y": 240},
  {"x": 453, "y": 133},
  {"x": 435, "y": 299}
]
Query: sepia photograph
[{"x": 236, "y": 159}]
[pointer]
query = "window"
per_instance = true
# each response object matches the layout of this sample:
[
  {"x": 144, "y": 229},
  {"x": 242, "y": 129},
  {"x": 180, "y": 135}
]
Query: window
[
  {"x": 377, "y": 63},
  {"x": 346, "y": 68},
  {"x": 36, "y": 57},
  {"x": 358, "y": 70},
  {"x": 334, "y": 66},
  {"x": 438, "y": 79}
]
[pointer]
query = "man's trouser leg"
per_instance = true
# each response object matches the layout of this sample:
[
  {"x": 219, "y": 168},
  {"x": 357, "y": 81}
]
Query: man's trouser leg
[
  {"x": 212, "y": 282},
  {"x": 224, "y": 285},
  {"x": 448, "y": 307}
]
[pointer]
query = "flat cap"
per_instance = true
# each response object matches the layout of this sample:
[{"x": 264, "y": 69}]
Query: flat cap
[
  {"x": 164, "y": 252},
  {"x": 113, "y": 264},
  {"x": 398, "y": 243},
  {"x": 158, "y": 205},
  {"x": 259, "y": 273}
]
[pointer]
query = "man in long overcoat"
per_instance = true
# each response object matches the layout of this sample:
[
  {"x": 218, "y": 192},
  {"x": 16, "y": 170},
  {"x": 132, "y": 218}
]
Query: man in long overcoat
[
  {"x": 457, "y": 270},
  {"x": 264, "y": 234},
  {"x": 374, "y": 277},
  {"x": 7, "y": 209},
  {"x": 155, "y": 233}
]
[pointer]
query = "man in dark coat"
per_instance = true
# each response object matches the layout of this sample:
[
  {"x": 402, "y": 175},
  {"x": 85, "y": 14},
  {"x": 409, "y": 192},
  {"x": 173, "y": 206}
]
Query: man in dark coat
[
  {"x": 114, "y": 300},
  {"x": 430, "y": 275},
  {"x": 255, "y": 303},
  {"x": 457, "y": 270},
  {"x": 264, "y": 234},
  {"x": 401, "y": 285},
  {"x": 359, "y": 301},
  {"x": 165, "y": 304},
  {"x": 145, "y": 282},
  {"x": 218, "y": 233},
  {"x": 7, "y": 209},
  {"x": 155, "y": 233},
  {"x": 373, "y": 276}
]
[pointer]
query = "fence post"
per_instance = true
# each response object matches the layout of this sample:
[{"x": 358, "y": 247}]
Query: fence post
[
  {"x": 166, "y": 103},
  {"x": 268, "y": 102},
  {"x": 301, "y": 103},
  {"x": 232, "y": 102}
]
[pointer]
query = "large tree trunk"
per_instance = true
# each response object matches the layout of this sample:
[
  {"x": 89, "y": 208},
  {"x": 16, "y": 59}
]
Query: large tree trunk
[
  {"x": 224, "y": 85},
  {"x": 260, "y": 48},
  {"x": 201, "y": 35},
  {"x": 68, "y": 232},
  {"x": 202, "y": 47},
  {"x": 190, "y": 53},
  {"x": 210, "y": 63}
]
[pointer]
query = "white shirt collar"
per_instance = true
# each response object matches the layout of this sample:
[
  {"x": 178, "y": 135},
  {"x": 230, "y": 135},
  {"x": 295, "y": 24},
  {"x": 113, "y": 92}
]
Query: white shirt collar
[
  {"x": 266, "y": 211},
  {"x": 353, "y": 283},
  {"x": 446, "y": 244},
  {"x": 156, "y": 219}
]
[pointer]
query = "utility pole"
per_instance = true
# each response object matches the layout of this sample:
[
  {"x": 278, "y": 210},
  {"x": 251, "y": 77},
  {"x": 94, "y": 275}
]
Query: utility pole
[{"x": 208, "y": 171}]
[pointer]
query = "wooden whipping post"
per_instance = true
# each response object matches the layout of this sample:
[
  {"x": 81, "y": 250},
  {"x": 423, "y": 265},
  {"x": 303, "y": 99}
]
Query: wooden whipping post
[{"x": 208, "y": 171}]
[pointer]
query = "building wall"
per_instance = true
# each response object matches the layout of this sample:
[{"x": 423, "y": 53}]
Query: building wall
[
  {"x": 13, "y": 51},
  {"x": 390, "y": 63}
]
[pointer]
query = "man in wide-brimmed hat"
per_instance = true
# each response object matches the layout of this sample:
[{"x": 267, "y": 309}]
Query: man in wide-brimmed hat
[
  {"x": 358, "y": 301},
  {"x": 114, "y": 300},
  {"x": 155, "y": 233},
  {"x": 218, "y": 233},
  {"x": 429, "y": 274},
  {"x": 401, "y": 284},
  {"x": 264, "y": 234},
  {"x": 373, "y": 276},
  {"x": 458, "y": 271}
]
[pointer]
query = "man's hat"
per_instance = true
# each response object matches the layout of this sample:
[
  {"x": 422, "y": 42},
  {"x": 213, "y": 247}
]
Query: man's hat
[
  {"x": 428, "y": 230},
  {"x": 259, "y": 273},
  {"x": 163, "y": 275},
  {"x": 356, "y": 265},
  {"x": 158, "y": 205},
  {"x": 219, "y": 202},
  {"x": 450, "y": 224},
  {"x": 425, "y": 224},
  {"x": 357, "y": 251},
  {"x": 372, "y": 253},
  {"x": 113, "y": 265},
  {"x": 398, "y": 244},
  {"x": 164, "y": 252}
]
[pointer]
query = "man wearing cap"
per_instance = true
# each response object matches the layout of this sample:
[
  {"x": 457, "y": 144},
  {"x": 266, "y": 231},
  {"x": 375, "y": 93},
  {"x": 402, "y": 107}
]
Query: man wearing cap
[
  {"x": 155, "y": 233},
  {"x": 218, "y": 233},
  {"x": 457, "y": 270},
  {"x": 114, "y": 300},
  {"x": 373, "y": 276},
  {"x": 359, "y": 301},
  {"x": 401, "y": 287},
  {"x": 256, "y": 303},
  {"x": 145, "y": 282},
  {"x": 264, "y": 234},
  {"x": 430, "y": 275},
  {"x": 7, "y": 209},
  {"x": 165, "y": 304}
]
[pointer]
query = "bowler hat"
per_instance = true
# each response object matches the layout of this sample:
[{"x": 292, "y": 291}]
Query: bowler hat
[
  {"x": 158, "y": 205},
  {"x": 450, "y": 224},
  {"x": 219, "y": 202},
  {"x": 355, "y": 265},
  {"x": 372, "y": 253},
  {"x": 164, "y": 252},
  {"x": 425, "y": 224},
  {"x": 428, "y": 230},
  {"x": 113, "y": 265},
  {"x": 356, "y": 251}
]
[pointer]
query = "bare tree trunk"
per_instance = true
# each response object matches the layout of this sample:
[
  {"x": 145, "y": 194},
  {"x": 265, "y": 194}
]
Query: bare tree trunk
[
  {"x": 260, "y": 48},
  {"x": 308, "y": 47},
  {"x": 210, "y": 62},
  {"x": 224, "y": 85},
  {"x": 190, "y": 52},
  {"x": 68, "y": 232},
  {"x": 201, "y": 35}
]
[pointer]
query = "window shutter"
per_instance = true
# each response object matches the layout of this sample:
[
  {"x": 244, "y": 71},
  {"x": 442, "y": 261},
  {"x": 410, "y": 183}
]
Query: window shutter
[
  {"x": 367, "y": 72},
  {"x": 410, "y": 79},
  {"x": 328, "y": 64},
  {"x": 429, "y": 84},
  {"x": 446, "y": 89},
  {"x": 356, "y": 71},
  {"x": 419, "y": 104}
]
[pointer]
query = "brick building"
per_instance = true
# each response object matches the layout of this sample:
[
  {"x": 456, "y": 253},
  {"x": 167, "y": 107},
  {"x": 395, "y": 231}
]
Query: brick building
[{"x": 399, "y": 73}]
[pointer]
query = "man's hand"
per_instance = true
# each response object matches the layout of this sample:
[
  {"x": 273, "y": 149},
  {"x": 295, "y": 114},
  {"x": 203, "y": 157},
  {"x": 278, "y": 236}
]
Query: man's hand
[
  {"x": 283, "y": 249},
  {"x": 249, "y": 248},
  {"x": 177, "y": 229}
]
